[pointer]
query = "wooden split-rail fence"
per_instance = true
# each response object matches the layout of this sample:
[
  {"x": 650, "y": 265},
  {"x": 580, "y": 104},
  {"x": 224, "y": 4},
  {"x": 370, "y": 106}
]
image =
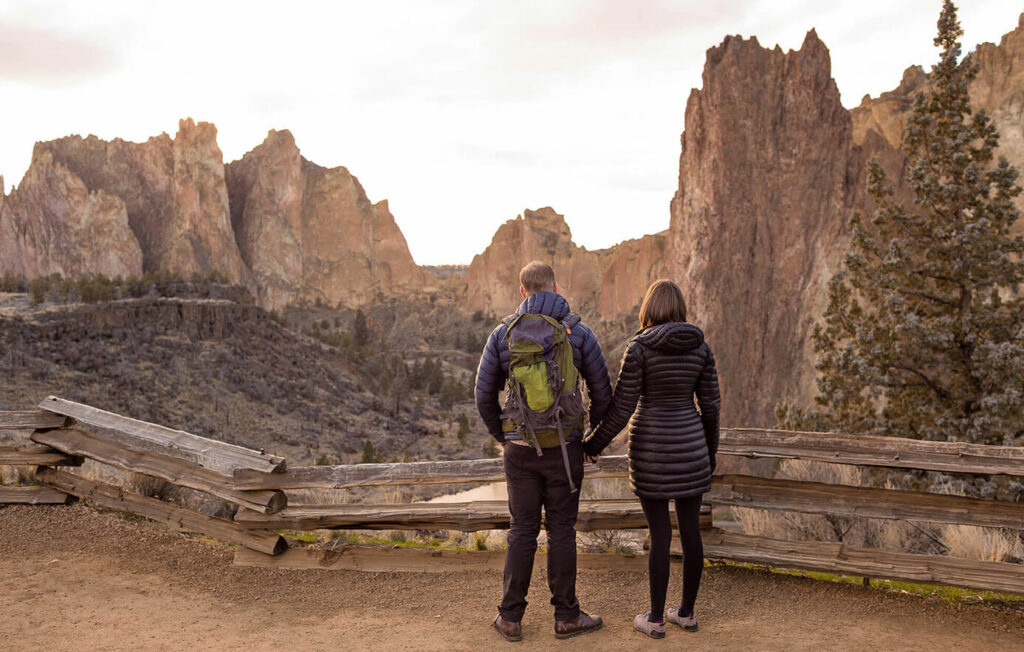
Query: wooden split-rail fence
[{"x": 62, "y": 433}]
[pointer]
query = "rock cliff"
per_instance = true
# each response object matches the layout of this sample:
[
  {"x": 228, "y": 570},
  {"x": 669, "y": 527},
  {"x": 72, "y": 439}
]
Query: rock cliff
[
  {"x": 757, "y": 223},
  {"x": 772, "y": 166},
  {"x": 604, "y": 283},
  {"x": 284, "y": 227},
  {"x": 309, "y": 232},
  {"x": 52, "y": 223},
  {"x": 997, "y": 90},
  {"x": 173, "y": 190}
]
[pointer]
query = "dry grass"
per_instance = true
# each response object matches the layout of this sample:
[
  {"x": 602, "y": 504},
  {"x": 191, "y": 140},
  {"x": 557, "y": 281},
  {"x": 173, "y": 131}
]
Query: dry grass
[
  {"x": 982, "y": 543},
  {"x": 861, "y": 532},
  {"x": 608, "y": 540},
  {"x": 144, "y": 485},
  {"x": 17, "y": 474}
]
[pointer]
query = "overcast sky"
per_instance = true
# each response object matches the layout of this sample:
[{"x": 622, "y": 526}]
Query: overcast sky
[{"x": 461, "y": 112}]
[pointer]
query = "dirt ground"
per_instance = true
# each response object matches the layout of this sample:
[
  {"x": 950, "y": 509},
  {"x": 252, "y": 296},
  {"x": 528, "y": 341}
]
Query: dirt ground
[{"x": 72, "y": 578}]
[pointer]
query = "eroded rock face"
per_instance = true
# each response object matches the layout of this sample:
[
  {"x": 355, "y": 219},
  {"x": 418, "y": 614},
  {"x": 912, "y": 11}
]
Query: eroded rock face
[
  {"x": 998, "y": 90},
  {"x": 771, "y": 169},
  {"x": 604, "y": 283},
  {"x": 52, "y": 223},
  {"x": 309, "y": 232},
  {"x": 757, "y": 224},
  {"x": 173, "y": 191}
]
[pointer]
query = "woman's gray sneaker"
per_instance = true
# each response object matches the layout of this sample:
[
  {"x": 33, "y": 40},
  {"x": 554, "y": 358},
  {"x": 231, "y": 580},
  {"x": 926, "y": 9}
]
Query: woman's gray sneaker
[
  {"x": 643, "y": 624},
  {"x": 689, "y": 623}
]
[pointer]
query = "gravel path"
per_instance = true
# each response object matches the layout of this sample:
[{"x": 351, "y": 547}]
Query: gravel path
[{"x": 73, "y": 578}]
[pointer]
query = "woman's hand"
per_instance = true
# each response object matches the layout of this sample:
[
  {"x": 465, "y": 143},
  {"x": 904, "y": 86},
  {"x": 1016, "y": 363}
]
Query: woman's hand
[{"x": 592, "y": 458}]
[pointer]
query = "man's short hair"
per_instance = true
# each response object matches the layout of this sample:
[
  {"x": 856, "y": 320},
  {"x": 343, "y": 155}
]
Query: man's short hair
[{"x": 537, "y": 276}]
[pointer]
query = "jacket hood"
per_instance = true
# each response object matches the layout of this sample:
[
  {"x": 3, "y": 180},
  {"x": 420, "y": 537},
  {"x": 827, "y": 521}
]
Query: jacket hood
[
  {"x": 544, "y": 303},
  {"x": 673, "y": 337}
]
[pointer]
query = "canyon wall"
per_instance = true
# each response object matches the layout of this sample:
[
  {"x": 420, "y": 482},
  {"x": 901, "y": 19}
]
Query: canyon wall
[
  {"x": 603, "y": 283},
  {"x": 772, "y": 167},
  {"x": 310, "y": 232},
  {"x": 287, "y": 229}
]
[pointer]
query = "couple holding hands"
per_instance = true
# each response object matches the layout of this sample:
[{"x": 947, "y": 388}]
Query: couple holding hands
[{"x": 541, "y": 354}]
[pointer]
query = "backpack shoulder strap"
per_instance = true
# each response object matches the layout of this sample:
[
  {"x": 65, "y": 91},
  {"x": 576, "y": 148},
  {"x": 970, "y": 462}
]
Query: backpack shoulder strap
[{"x": 571, "y": 320}]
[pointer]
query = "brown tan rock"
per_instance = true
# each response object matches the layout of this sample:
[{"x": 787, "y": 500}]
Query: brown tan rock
[
  {"x": 604, "y": 283},
  {"x": 757, "y": 224},
  {"x": 310, "y": 233},
  {"x": 174, "y": 193},
  {"x": 52, "y": 223},
  {"x": 771, "y": 169}
]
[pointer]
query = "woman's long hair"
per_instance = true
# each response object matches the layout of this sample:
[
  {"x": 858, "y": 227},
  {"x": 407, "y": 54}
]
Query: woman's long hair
[{"x": 663, "y": 303}]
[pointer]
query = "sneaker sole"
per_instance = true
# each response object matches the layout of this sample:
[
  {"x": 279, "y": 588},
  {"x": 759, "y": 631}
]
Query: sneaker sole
[
  {"x": 658, "y": 635},
  {"x": 579, "y": 633},
  {"x": 688, "y": 628}
]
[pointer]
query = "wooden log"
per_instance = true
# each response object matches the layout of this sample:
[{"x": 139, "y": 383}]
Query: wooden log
[
  {"x": 37, "y": 456},
  {"x": 873, "y": 451},
  {"x": 157, "y": 510},
  {"x": 30, "y": 419},
  {"x": 181, "y": 472},
  {"x": 35, "y": 495},
  {"x": 866, "y": 562},
  {"x": 205, "y": 452},
  {"x": 870, "y": 502},
  {"x": 744, "y": 442},
  {"x": 404, "y": 473},
  {"x": 418, "y": 560},
  {"x": 466, "y": 517}
]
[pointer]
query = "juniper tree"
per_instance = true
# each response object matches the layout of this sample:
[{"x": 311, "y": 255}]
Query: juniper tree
[{"x": 922, "y": 335}]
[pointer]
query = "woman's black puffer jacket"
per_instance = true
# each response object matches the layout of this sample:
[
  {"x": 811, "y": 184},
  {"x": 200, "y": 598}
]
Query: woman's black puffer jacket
[{"x": 672, "y": 446}]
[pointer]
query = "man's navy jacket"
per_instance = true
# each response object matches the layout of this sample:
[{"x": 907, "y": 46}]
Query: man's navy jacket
[{"x": 492, "y": 373}]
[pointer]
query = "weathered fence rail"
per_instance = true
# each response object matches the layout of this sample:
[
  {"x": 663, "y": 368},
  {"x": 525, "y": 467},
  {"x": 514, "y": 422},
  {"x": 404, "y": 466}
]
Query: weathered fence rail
[
  {"x": 465, "y": 517},
  {"x": 63, "y": 433}
]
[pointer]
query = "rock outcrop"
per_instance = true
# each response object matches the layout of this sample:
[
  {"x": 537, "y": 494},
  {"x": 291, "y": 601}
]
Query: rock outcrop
[
  {"x": 173, "y": 191},
  {"x": 52, "y": 223},
  {"x": 605, "y": 283},
  {"x": 757, "y": 223},
  {"x": 772, "y": 167},
  {"x": 998, "y": 90},
  {"x": 309, "y": 232},
  {"x": 288, "y": 229}
]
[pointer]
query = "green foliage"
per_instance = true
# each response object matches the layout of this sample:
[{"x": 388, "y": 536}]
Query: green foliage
[
  {"x": 360, "y": 331},
  {"x": 922, "y": 336},
  {"x": 11, "y": 283},
  {"x": 370, "y": 454}
]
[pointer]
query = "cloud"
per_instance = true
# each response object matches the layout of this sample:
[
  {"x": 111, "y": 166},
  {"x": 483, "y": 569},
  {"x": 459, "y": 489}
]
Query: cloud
[{"x": 50, "y": 58}]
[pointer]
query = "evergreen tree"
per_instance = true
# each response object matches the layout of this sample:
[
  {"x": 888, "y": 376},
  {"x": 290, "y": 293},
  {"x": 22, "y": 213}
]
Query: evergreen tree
[
  {"x": 369, "y": 453},
  {"x": 360, "y": 331},
  {"x": 922, "y": 336}
]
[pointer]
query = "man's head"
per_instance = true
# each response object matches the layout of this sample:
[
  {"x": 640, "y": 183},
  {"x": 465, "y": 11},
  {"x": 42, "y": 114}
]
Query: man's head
[{"x": 535, "y": 277}]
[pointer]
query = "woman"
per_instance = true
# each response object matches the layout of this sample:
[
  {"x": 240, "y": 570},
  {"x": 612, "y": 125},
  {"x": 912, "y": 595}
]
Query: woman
[{"x": 672, "y": 445}]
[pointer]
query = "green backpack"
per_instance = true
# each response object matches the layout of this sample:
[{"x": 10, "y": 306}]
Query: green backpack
[{"x": 544, "y": 400}]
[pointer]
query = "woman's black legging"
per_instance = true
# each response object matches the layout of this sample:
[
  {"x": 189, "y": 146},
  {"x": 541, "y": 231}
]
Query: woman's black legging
[{"x": 688, "y": 513}]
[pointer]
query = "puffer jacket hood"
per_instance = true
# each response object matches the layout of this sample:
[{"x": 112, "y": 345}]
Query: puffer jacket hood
[
  {"x": 544, "y": 303},
  {"x": 671, "y": 337}
]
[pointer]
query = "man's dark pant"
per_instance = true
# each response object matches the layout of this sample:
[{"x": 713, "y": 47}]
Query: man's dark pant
[{"x": 535, "y": 481}]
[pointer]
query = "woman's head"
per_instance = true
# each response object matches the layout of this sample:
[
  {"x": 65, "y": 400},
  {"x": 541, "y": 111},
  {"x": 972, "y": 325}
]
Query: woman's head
[{"x": 663, "y": 303}]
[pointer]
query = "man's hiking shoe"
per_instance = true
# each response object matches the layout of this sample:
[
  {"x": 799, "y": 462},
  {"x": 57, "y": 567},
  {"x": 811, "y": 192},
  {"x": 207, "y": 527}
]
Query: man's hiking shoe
[
  {"x": 642, "y": 623},
  {"x": 581, "y": 624},
  {"x": 689, "y": 623},
  {"x": 511, "y": 632}
]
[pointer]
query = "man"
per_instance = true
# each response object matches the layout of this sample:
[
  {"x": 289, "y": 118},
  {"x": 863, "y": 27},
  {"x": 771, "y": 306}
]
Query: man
[{"x": 542, "y": 450}]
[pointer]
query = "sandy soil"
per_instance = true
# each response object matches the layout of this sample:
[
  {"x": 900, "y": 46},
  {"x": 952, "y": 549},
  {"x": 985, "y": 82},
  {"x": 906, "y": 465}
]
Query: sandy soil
[{"x": 72, "y": 578}]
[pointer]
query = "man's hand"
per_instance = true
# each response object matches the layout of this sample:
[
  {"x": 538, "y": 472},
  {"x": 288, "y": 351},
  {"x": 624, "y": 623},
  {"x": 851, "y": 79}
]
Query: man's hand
[{"x": 592, "y": 458}]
